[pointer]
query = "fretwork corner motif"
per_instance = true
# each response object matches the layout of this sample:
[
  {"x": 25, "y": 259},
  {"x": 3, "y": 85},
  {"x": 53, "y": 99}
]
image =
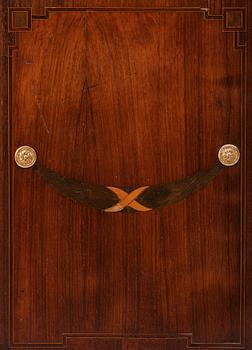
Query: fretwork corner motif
[
  {"x": 234, "y": 20},
  {"x": 19, "y": 19}
]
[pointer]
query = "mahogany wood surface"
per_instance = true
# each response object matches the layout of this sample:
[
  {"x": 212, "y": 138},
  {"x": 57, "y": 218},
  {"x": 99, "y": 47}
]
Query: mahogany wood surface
[{"x": 125, "y": 93}]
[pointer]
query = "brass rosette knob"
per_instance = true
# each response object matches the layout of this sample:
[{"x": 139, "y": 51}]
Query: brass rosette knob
[
  {"x": 229, "y": 155},
  {"x": 25, "y": 156}
]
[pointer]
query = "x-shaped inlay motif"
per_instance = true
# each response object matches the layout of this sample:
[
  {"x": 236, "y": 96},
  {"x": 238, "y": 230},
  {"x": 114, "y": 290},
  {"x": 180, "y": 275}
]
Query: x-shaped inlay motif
[{"x": 127, "y": 200}]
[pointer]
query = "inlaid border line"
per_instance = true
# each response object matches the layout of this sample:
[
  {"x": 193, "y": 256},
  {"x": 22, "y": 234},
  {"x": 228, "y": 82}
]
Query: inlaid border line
[{"x": 14, "y": 46}]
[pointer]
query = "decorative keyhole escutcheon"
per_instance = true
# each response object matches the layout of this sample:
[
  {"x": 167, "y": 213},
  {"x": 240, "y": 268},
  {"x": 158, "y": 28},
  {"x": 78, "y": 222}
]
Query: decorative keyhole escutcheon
[{"x": 25, "y": 156}]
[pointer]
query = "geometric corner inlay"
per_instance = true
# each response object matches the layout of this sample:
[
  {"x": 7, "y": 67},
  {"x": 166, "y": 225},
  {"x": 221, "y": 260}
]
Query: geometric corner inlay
[
  {"x": 234, "y": 20},
  {"x": 19, "y": 19}
]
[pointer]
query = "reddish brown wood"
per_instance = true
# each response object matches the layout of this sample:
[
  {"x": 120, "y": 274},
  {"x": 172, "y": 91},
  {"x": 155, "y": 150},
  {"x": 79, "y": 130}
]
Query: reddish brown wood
[
  {"x": 3, "y": 181},
  {"x": 248, "y": 221},
  {"x": 125, "y": 94}
]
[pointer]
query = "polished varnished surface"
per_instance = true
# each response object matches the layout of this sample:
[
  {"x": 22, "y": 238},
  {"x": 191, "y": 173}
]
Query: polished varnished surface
[{"x": 126, "y": 97}]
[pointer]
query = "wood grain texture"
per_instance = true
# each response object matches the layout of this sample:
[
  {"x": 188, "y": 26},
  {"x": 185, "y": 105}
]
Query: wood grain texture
[
  {"x": 248, "y": 222},
  {"x": 3, "y": 179},
  {"x": 125, "y": 98}
]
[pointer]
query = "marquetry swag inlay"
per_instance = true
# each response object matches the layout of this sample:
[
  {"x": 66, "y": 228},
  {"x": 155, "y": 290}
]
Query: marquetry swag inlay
[{"x": 113, "y": 199}]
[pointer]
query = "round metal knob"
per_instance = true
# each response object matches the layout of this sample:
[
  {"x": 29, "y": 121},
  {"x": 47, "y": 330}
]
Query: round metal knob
[
  {"x": 229, "y": 155},
  {"x": 25, "y": 157}
]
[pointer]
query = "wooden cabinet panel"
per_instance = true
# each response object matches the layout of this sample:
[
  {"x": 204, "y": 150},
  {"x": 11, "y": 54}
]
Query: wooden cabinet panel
[{"x": 127, "y": 104}]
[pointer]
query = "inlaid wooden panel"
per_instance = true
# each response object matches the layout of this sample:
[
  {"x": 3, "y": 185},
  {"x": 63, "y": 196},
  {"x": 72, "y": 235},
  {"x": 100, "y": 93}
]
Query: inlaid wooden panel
[{"x": 126, "y": 95}]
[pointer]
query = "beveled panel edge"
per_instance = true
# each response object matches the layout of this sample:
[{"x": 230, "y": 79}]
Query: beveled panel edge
[
  {"x": 4, "y": 177},
  {"x": 186, "y": 338},
  {"x": 130, "y": 4}
]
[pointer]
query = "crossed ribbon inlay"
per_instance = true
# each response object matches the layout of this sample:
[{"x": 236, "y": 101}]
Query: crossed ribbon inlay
[
  {"x": 114, "y": 199},
  {"x": 127, "y": 200}
]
